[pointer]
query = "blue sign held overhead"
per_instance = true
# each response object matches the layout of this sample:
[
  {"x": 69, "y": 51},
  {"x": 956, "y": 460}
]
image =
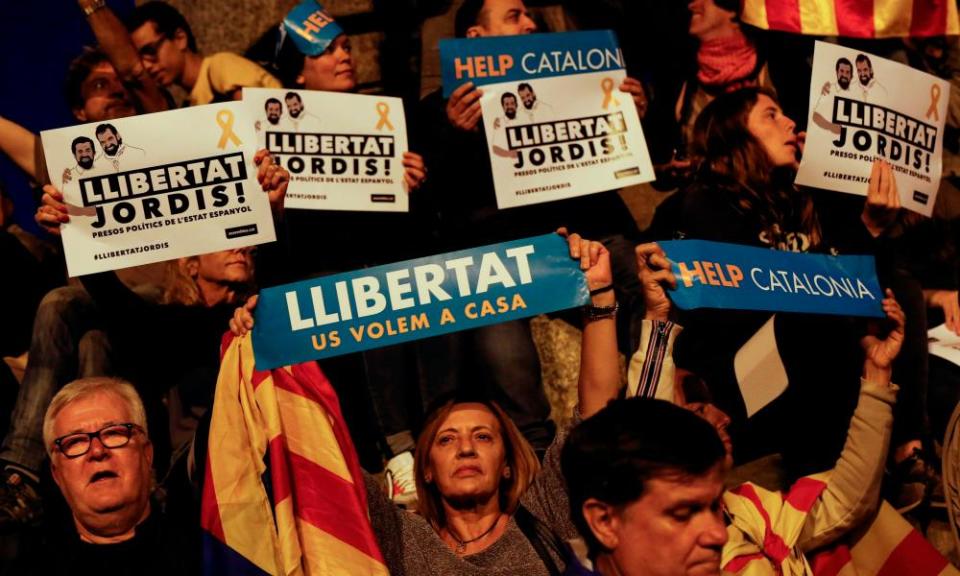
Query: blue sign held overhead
[
  {"x": 311, "y": 27},
  {"x": 386, "y": 305},
  {"x": 719, "y": 275},
  {"x": 490, "y": 60}
]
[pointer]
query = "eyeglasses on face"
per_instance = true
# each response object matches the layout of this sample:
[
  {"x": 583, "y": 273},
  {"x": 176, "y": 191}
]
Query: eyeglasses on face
[
  {"x": 150, "y": 51},
  {"x": 112, "y": 436}
]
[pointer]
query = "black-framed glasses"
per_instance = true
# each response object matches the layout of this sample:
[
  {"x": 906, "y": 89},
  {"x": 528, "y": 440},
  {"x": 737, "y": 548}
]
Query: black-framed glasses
[
  {"x": 112, "y": 436},
  {"x": 151, "y": 50}
]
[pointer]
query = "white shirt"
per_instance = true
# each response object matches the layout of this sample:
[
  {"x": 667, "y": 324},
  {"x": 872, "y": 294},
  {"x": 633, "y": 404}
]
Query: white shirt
[
  {"x": 305, "y": 122},
  {"x": 127, "y": 157},
  {"x": 824, "y": 105},
  {"x": 539, "y": 112},
  {"x": 873, "y": 92}
]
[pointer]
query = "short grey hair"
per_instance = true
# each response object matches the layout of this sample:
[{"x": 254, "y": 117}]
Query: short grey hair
[{"x": 87, "y": 387}]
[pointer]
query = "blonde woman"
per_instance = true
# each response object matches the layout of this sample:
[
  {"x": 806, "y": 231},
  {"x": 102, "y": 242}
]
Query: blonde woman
[{"x": 487, "y": 507}]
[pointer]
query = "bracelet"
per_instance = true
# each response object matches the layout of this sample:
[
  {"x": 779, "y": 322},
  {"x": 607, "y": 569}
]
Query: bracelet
[
  {"x": 601, "y": 290},
  {"x": 591, "y": 313},
  {"x": 91, "y": 6}
]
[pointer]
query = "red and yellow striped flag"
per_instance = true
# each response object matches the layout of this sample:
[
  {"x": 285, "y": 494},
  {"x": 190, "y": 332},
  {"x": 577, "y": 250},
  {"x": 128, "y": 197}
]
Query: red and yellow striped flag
[
  {"x": 283, "y": 491},
  {"x": 854, "y": 18},
  {"x": 766, "y": 528},
  {"x": 887, "y": 547}
]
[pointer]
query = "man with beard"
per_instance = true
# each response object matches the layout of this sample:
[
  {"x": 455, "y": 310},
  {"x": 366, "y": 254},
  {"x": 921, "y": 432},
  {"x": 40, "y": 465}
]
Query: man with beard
[
  {"x": 844, "y": 73},
  {"x": 299, "y": 118},
  {"x": 274, "y": 111},
  {"x": 85, "y": 155},
  {"x": 508, "y": 101},
  {"x": 823, "y": 111},
  {"x": 83, "y": 152},
  {"x": 868, "y": 84},
  {"x": 114, "y": 149},
  {"x": 536, "y": 110}
]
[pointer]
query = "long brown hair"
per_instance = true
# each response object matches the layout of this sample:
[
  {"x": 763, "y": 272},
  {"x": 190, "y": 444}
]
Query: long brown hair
[
  {"x": 732, "y": 161},
  {"x": 520, "y": 457}
]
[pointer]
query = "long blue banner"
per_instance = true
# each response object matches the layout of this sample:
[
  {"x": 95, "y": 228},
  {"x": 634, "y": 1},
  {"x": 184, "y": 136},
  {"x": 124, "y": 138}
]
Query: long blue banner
[
  {"x": 718, "y": 275},
  {"x": 394, "y": 303},
  {"x": 490, "y": 60}
]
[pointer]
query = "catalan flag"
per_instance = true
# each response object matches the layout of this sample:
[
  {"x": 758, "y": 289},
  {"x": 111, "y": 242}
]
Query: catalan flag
[
  {"x": 283, "y": 491},
  {"x": 768, "y": 527},
  {"x": 854, "y": 18},
  {"x": 888, "y": 546}
]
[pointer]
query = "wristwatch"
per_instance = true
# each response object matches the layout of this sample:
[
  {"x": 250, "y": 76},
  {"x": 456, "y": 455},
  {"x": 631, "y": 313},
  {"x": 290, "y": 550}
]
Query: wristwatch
[
  {"x": 91, "y": 6},
  {"x": 591, "y": 313}
]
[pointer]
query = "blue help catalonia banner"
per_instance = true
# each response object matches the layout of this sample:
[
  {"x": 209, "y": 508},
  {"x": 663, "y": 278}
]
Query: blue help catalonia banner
[
  {"x": 718, "y": 275},
  {"x": 492, "y": 60},
  {"x": 414, "y": 299}
]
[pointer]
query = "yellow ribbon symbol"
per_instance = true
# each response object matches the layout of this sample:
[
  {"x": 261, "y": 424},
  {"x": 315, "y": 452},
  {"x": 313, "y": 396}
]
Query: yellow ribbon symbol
[
  {"x": 608, "y": 97},
  {"x": 383, "y": 109},
  {"x": 934, "y": 103},
  {"x": 225, "y": 122}
]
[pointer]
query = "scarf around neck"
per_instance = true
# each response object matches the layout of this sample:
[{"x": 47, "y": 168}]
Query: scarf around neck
[{"x": 726, "y": 63}]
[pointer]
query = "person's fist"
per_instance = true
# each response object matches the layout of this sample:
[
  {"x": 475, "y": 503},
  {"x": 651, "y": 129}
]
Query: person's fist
[
  {"x": 52, "y": 211},
  {"x": 242, "y": 321},
  {"x": 463, "y": 107}
]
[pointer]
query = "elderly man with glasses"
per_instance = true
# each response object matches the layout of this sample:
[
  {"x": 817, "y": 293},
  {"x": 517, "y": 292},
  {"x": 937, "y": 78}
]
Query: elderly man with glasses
[{"x": 95, "y": 431}]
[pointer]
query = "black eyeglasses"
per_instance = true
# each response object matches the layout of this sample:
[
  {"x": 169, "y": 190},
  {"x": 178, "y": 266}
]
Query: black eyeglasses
[
  {"x": 112, "y": 436},
  {"x": 150, "y": 51}
]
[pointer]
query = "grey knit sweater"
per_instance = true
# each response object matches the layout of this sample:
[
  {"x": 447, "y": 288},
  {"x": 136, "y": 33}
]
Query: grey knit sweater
[{"x": 412, "y": 548}]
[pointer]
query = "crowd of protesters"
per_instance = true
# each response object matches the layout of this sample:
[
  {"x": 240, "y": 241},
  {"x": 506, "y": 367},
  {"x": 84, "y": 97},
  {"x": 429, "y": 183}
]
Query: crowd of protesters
[{"x": 105, "y": 422}]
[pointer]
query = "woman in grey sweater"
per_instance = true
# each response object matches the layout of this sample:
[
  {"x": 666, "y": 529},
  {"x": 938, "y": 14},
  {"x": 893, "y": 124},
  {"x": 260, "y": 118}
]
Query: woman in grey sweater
[{"x": 488, "y": 508}]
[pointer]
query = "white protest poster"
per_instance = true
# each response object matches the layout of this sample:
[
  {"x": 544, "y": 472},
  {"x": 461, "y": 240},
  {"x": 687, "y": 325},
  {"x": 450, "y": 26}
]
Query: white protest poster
[
  {"x": 863, "y": 107},
  {"x": 760, "y": 372},
  {"x": 557, "y": 125},
  {"x": 343, "y": 151},
  {"x": 158, "y": 186}
]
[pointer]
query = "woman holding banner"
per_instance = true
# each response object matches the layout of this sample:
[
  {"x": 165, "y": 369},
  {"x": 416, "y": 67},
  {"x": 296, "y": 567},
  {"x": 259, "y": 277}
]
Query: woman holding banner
[
  {"x": 322, "y": 60},
  {"x": 486, "y": 504},
  {"x": 311, "y": 58},
  {"x": 747, "y": 154}
]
